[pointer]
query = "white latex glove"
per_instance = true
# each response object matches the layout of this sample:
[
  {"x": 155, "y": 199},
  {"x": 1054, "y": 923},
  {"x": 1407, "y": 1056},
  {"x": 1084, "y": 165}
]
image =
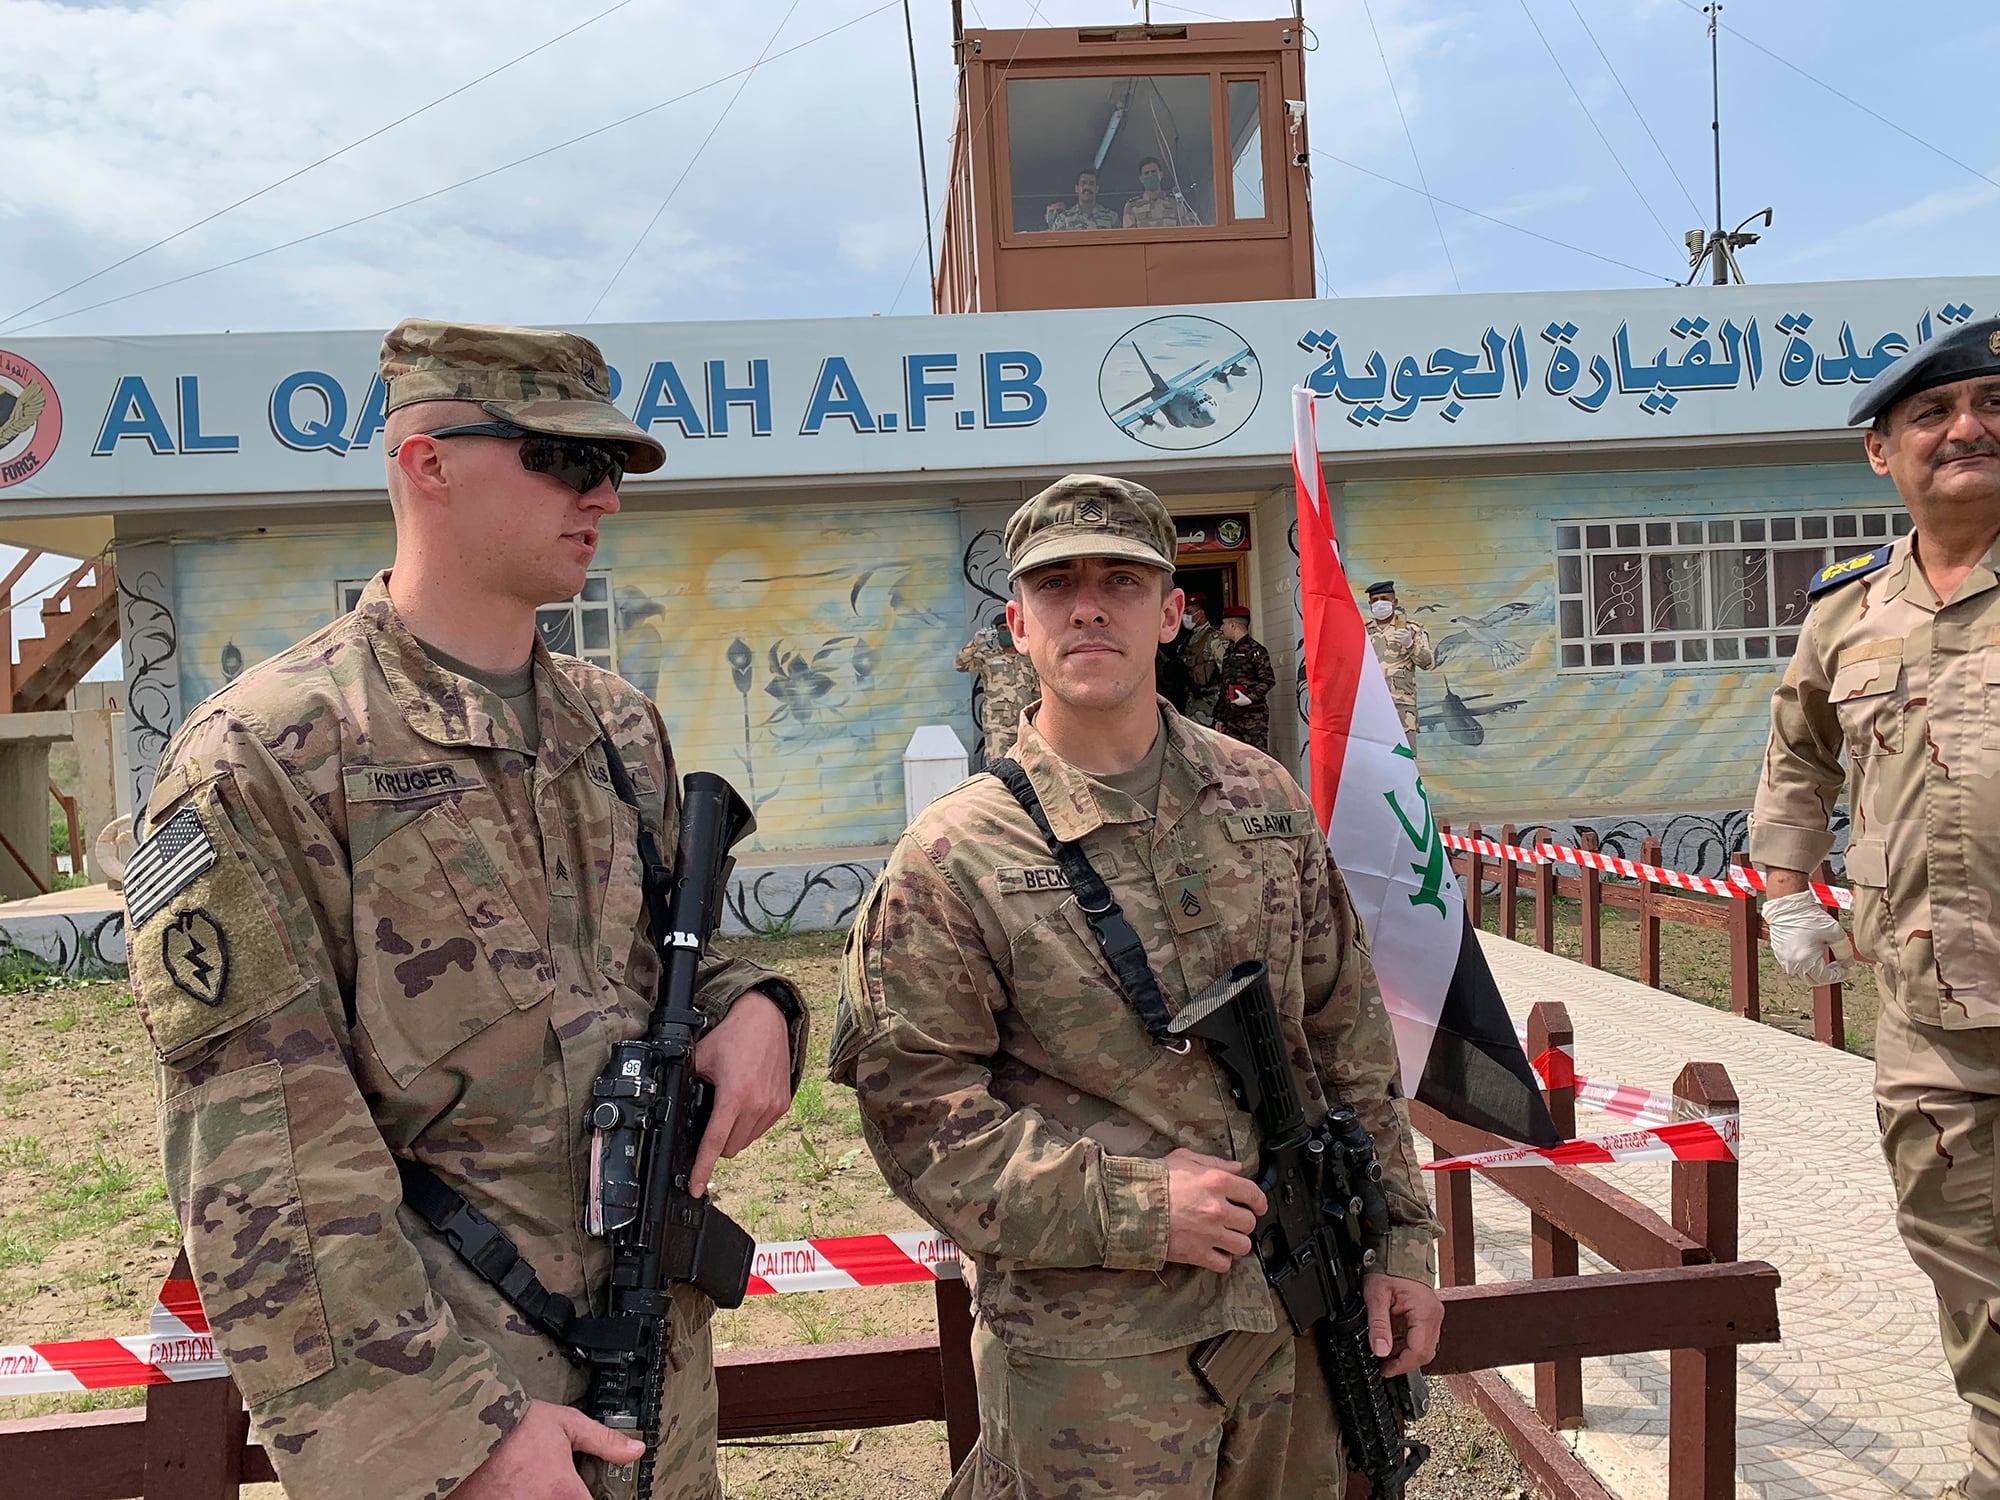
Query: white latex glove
[
  {"x": 1240, "y": 698},
  {"x": 1805, "y": 939}
]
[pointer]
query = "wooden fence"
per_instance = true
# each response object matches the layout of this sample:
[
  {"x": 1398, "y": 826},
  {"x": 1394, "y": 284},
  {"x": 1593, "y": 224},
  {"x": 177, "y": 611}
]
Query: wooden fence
[
  {"x": 1678, "y": 1287},
  {"x": 1654, "y": 905}
]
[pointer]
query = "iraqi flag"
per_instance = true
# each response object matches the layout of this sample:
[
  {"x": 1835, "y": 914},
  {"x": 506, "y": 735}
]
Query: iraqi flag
[{"x": 1459, "y": 1051}]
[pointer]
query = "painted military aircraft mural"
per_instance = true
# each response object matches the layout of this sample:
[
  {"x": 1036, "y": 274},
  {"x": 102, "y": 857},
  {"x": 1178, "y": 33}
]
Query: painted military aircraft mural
[{"x": 1181, "y": 402}]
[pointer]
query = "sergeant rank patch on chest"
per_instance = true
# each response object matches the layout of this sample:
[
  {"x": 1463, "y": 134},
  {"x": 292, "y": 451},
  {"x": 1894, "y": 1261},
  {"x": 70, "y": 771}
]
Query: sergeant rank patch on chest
[{"x": 407, "y": 783}]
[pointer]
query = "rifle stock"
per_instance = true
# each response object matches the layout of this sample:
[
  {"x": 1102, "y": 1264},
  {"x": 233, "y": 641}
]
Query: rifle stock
[{"x": 1323, "y": 1189}]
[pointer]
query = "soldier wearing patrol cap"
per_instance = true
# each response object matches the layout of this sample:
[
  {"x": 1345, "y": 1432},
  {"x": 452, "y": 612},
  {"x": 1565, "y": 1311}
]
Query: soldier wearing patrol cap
[
  {"x": 389, "y": 907},
  {"x": 1403, "y": 648},
  {"x": 1016, "y": 1099},
  {"x": 1899, "y": 662}
]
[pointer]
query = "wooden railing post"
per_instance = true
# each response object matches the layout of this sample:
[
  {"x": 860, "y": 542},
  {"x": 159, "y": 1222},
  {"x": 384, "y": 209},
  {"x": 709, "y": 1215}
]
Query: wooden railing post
[
  {"x": 1475, "y": 899},
  {"x": 1545, "y": 907},
  {"x": 195, "y": 1431},
  {"x": 1592, "y": 916},
  {"x": 1558, "y": 1383},
  {"x": 1746, "y": 924},
  {"x": 1828, "y": 1002},
  {"x": 1457, "y": 1263},
  {"x": 1649, "y": 921},
  {"x": 961, "y": 1395},
  {"x": 1701, "y": 1431},
  {"x": 1510, "y": 890}
]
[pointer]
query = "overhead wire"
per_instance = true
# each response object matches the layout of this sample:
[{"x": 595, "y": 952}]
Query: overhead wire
[
  {"x": 742, "y": 84},
  {"x": 1610, "y": 260},
  {"x": 293, "y": 176},
  {"x": 518, "y": 161},
  {"x": 1875, "y": 115},
  {"x": 1577, "y": 94},
  {"x": 1436, "y": 222},
  {"x": 923, "y": 165},
  {"x": 1637, "y": 114}
]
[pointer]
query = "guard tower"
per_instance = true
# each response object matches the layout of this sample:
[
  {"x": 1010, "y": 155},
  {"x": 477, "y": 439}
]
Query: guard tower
[{"x": 1215, "y": 112}]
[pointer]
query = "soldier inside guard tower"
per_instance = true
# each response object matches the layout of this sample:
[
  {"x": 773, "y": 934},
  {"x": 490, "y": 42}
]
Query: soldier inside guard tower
[
  {"x": 390, "y": 907},
  {"x": 1016, "y": 1099},
  {"x": 1898, "y": 663}
]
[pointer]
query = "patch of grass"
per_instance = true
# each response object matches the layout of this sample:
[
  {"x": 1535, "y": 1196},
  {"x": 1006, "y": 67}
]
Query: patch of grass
[
  {"x": 813, "y": 1320},
  {"x": 100, "y": 1179},
  {"x": 64, "y": 1019},
  {"x": 22, "y": 970},
  {"x": 773, "y": 929},
  {"x": 809, "y": 1103}
]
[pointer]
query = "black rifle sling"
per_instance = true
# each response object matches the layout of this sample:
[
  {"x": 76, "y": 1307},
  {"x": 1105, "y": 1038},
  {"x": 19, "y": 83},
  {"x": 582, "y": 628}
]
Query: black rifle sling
[
  {"x": 1115, "y": 935},
  {"x": 483, "y": 1245}
]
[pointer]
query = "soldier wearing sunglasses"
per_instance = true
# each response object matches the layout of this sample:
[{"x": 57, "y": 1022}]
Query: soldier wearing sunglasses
[{"x": 389, "y": 906}]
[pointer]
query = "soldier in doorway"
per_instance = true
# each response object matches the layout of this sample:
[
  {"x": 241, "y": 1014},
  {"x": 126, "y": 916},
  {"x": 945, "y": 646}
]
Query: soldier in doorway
[
  {"x": 1201, "y": 652},
  {"x": 1899, "y": 662},
  {"x": 1403, "y": 647},
  {"x": 1007, "y": 681},
  {"x": 1244, "y": 711}
]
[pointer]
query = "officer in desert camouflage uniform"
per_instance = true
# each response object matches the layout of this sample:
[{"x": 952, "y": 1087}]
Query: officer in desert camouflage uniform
[
  {"x": 1403, "y": 647},
  {"x": 390, "y": 907},
  {"x": 1201, "y": 654},
  {"x": 1243, "y": 712},
  {"x": 1899, "y": 660},
  {"x": 1007, "y": 681},
  {"x": 1014, "y": 1098},
  {"x": 1088, "y": 212},
  {"x": 1153, "y": 209}
]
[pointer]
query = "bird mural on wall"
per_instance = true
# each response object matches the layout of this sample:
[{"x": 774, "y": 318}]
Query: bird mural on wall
[
  {"x": 1484, "y": 633},
  {"x": 1460, "y": 719}
]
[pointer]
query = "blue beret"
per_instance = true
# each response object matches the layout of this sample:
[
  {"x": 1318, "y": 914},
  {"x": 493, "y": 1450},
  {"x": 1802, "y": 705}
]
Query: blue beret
[{"x": 1966, "y": 353}]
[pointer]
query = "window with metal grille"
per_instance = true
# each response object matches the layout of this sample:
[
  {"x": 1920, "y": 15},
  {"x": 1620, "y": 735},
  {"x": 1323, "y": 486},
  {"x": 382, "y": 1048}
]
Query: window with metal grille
[
  {"x": 1698, "y": 591},
  {"x": 583, "y": 626}
]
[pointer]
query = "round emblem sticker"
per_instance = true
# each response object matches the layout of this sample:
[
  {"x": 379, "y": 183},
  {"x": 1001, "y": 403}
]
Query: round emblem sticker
[
  {"x": 1179, "y": 382},
  {"x": 1229, "y": 533},
  {"x": 30, "y": 420}
]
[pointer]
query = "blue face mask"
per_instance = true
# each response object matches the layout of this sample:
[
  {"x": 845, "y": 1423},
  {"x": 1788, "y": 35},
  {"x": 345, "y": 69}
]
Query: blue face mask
[{"x": 1150, "y": 181}]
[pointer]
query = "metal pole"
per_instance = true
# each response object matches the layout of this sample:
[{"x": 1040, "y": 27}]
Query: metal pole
[
  {"x": 1718, "y": 249},
  {"x": 923, "y": 167}
]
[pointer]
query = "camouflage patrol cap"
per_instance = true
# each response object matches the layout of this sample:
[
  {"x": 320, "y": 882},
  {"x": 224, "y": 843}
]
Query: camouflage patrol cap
[
  {"x": 540, "y": 379},
  {"x": 1090, "y": 515}
]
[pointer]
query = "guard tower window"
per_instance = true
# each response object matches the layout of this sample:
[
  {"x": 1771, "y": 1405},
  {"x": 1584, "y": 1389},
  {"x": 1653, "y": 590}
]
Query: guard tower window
[
  {"x": 1246, "y": 151},
  {"x": 1060, "y": 128}
]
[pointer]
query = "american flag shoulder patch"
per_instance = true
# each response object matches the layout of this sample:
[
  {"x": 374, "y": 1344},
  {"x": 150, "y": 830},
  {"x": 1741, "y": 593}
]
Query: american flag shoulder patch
[{"x": 177, "y": 854}]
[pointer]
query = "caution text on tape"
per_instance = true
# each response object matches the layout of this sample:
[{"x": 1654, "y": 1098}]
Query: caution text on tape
[{"x": 1715, "y": 1138}]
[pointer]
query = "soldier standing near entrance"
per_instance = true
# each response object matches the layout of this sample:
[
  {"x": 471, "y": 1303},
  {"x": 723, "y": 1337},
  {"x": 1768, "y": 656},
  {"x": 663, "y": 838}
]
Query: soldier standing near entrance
[
  {"x": 1015, "y": 1098},
  {"x": 390, "y": 910},
  {"x": 1008, "y": 684},
  {"x": 1403, "y": 647},
  {"x": 1899, "y": 659},
  {"x": 1201, "y": 653},
  {"x": 1244, "y": 711}
]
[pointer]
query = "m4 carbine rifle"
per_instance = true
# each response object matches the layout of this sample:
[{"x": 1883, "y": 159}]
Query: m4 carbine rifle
[
  {"x": 1322, "y": 1187},
  {"x": 648, "y": 1111}
]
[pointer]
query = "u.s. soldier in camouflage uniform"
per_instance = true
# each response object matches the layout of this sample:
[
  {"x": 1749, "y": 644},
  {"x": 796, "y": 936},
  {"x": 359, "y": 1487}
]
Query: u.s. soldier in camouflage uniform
[
  {"x": 390, "y": 907},
  {"x": 1088, "y": 212},
  {"x": 1154, "y": 209},
  {"x": 1403, "y": 647},
  {"x": 1243, "y": 711},
  {"x": 1899, "y": 662},
  {"x": 1014, "y": 1098},
  {"x": 1007, "y": 682},
  {"x": 1201, "y": 655}
]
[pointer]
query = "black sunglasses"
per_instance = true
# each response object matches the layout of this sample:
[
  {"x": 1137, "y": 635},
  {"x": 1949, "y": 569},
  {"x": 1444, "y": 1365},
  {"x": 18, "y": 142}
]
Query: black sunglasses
[{"x": 581, "y": 463}]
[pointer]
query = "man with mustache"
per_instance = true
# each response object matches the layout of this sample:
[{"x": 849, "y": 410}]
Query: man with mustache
[
  {"x": 387, "y": 926},
  {"x": 1899, "y": 660},
  {"x": 1000, "y": 1034}
]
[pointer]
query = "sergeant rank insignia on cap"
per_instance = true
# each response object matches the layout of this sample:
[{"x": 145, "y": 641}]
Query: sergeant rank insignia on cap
[{"x": 1857, "y": 566}]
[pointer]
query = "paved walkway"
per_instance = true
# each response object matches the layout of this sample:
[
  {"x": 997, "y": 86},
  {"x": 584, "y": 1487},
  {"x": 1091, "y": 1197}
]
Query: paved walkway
[{"x": 1856, "y": 1401}]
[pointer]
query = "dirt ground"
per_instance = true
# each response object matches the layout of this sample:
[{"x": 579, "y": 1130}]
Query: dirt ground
[{"x": 86, "y": 1236}]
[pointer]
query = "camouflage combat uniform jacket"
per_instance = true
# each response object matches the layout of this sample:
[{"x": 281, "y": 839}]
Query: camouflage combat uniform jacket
[
  {"x": 1076, "y": 216},
  {"x": 1162, "y": 212},
  {"x": 1246, "y": 666},
  {"x": 1403, "y": 649},
  {"x": 1202, "y": 653},
  {"x": 1911, "y": 688},
  {"x": 1008, "y": 685},
  {"x": 1014, "y": 1098},
  {"x": 411, "y": 939}
]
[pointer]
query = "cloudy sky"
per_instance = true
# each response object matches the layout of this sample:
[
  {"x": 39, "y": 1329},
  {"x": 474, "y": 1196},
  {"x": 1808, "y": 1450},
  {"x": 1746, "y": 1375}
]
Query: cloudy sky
[{"x": 1581, "y": 126}]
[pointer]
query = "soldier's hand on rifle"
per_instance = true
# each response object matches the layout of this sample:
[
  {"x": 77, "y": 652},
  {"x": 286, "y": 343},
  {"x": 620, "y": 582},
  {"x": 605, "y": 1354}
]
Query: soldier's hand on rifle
[
  {"x": 1404, "y": 1319},
  {"x": 748, "y": 1057},
  {"x": 1211, "y": 1209},
  {"x": 534, "y": 1461}
]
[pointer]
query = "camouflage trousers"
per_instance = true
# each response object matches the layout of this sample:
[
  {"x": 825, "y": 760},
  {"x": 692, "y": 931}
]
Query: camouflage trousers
[
  {"x": 1252, "y": 727},
  {"x": 1937, "y": 1097},
  {"x": 1406, "y": 710},
  {"x": 1143, "y": 1428}
]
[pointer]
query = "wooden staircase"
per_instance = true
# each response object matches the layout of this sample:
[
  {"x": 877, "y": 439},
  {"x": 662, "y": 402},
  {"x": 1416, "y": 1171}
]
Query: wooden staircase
[{"x": 79, "y": 624}]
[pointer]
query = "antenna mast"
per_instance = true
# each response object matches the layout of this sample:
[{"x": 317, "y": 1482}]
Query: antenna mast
[{"x": 1719, "y": 246}]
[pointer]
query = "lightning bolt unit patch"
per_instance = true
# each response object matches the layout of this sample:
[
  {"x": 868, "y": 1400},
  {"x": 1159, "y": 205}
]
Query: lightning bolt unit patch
[{"x": 195, "y": 955}]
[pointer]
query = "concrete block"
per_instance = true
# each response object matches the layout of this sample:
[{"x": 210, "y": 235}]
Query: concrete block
[{"x": 933, "y": 763}]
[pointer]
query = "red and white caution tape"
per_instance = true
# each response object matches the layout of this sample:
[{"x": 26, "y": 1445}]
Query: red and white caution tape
[
  {"x": 1715, "y": 1138},
  {"x": 178, "y": 1346},
  {"x": 1556, "y": 1067},
  {"x": 1741, "y": 882}
]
